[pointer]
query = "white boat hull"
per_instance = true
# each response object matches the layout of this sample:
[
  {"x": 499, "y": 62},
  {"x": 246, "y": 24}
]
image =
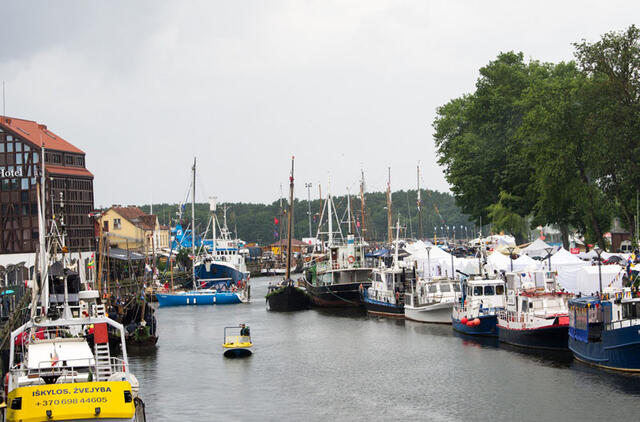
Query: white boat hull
[{"x": 438, "y": 313}]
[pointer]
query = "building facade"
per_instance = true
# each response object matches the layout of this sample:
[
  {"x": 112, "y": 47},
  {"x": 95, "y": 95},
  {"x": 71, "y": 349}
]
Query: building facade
[
  {"x": 132, "y": 229},
  {"x": 22, "y": 143}
]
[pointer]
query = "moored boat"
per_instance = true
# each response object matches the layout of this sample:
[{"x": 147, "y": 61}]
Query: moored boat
[
  {"x": 385, "y": 297},
  {"x": 475, "y": 313},
  {"x": 237, "y": 342},
  {"x": 285, "y": 296},
  {"x": 536, "y": 314},
  {"x": 605, "y": 331},
  {"x": 432, "y": 300}
]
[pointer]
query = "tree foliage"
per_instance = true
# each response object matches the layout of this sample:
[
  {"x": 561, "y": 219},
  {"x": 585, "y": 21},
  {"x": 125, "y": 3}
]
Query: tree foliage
[{"x": 549, "y": 143}]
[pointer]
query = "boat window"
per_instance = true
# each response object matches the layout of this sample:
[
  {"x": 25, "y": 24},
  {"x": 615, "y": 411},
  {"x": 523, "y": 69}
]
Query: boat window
[
  {"x": 433, "y": 288},
  {"x": 477, "y": 290},
  {"x": 499, "y": 289},
  {"x": 456, "y": 287},
  {"x": 489, "y": 290},
  {"x": 445, "y": 288},
  {"x": 524, "y": 304}
]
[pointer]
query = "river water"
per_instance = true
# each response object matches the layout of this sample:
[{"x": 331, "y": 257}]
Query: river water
[{"x": 320, "y": 365}]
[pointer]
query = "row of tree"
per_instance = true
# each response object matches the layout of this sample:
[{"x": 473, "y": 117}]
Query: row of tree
[
  {"x": 549, "y": 143},
  {"x": 257, "y": 222}
]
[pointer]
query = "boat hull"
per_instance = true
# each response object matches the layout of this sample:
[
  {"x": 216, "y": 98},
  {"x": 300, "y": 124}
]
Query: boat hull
[
  {"x": 618, "y": 350},
  {"x": 76, "y": 401},
  {"x": 554, "y": 337},
  {"x": 342, "y": 295},
  {"x": 237, "y": 353},
  {"x": 376, "y": 307},
  {"x": 439, "y": 313},
  {"x": 288, "y": 298},
  {"x": 218, "y": 271},
  {"x": 197, "y": 298},
  {"x": 488, "y": 326}
]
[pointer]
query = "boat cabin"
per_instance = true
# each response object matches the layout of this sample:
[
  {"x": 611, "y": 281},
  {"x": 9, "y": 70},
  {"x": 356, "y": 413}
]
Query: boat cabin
[
  {"x": 483, "y": 293},
  {"x": 432, "y": 291}
]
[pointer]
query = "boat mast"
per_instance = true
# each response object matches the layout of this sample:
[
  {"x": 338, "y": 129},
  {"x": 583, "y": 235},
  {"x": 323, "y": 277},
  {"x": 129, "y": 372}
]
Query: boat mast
[
  {"x": 420, "y": 229},
  {"x": 44, "y": 264},
  {"x": 193, "y": 225},
  {"x": 363, "y": 231},
  {"x": 290, "y": 224},
  {"x": 389, "y": 217},
  {"x": 348, "y": 212},
  {"x": 212, "y": 208}
]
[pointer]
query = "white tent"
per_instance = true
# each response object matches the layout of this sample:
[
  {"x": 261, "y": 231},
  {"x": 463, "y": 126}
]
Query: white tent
[
  {"x": 499, "y": 262},
  {"x": 563, "y": 259},
  {"x": 525, "y": 263},
  {"x": 537, "y": 248},
  {"x": 587, "y": 279},
  {"x": 439, "y": 259}
]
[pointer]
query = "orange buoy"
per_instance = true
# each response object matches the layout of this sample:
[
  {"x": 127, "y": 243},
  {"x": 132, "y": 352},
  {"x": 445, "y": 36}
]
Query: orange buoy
[
  {"x": 464, "y": 320},
  {"x": 476, "y": 321}
]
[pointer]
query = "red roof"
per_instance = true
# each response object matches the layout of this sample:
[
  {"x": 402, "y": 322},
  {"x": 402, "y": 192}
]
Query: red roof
[
  {"x": 37, "y": 134},
  {"x": 68, "y": 171},
  {"x": 137, "y": 217}
]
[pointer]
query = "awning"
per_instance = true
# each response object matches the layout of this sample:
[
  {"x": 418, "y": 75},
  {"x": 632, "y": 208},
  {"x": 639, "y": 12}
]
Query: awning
[{"x": 121, "y": 254}]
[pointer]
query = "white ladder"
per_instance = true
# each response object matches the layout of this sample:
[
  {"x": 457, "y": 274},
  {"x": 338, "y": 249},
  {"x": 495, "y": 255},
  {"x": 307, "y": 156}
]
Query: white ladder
[{"x": 103, "y": 356}]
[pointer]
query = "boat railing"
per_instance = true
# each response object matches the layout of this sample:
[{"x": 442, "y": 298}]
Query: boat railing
[
  {"x": 385, "y": 296},
  {"x": 237, "y": 339},
  {"x": 624, "y": 323},
  {"x": 73, "y": 370}
]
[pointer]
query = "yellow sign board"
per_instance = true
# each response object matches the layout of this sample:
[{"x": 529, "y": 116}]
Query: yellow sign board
[{"x": 54, "y": 402}]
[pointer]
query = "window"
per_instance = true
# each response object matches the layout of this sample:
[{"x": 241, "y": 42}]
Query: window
[
  {"x": 456, "y": 287},
  {"x": 106, "y": 226},
  {"x": 117, "y": 224},
  {"x": 433, "y": 288},
  {"x": 489, "y": 290},
  {"x": 445, "y": 288},
  {"x": 500, "y": 289},
  {"x": 9, "y": 147},
  {"x": 68, "y": 159},
  {"x": 477, "y": 290}
]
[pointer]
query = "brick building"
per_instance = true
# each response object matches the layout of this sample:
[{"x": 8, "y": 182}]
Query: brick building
[{"x": 21, "y": 143}]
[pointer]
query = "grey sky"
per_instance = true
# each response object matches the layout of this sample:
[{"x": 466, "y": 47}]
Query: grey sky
[{"x": 142, "y": 87}]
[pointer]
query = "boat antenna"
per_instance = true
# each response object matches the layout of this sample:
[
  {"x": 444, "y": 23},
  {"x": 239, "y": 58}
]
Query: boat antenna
[
  {"x": 193, "y": 226},
  {"x": 4, "y": 110},
  {"x": 389, "y": 216},
  {"x": 289, "y": 223},
  {"x": 420, "y": 228}
]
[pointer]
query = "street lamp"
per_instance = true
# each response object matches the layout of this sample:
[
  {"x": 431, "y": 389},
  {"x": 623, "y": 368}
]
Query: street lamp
[
  {"x": 598, "y": 252},
  {"x": 511, "y": 249},
  {"x": 308, "y": 186},
  {"x": 429, "y": 259},
  {"x": 549, "y": 250}
]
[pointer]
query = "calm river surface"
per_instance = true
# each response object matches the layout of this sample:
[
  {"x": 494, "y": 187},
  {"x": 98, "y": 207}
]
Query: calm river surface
[{"x": 344, "y": 365}]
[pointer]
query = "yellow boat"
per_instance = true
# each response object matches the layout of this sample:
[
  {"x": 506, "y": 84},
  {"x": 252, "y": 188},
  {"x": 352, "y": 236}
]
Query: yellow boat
[
  {"x": 237, "y": 345},
  {"x": 54, "y": 375}
]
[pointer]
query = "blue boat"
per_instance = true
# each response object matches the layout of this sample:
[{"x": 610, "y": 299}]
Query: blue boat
[
  {"x": 199, "y": 297},
  {"x": 605, "y": 331},
  {"x": 476, "y": 311}
]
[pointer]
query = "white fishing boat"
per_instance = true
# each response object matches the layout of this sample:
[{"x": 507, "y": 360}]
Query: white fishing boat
[
  {"x": 60, "y": 364},
  {"x": 432, "y": 300}
]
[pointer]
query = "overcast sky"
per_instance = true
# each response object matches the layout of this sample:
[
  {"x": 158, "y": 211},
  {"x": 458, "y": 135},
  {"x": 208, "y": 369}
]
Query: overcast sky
[{"x": 143, "y": 87}]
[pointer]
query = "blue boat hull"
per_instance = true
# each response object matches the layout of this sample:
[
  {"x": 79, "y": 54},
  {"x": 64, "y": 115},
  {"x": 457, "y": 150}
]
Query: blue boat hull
[
  {"x": 377, "y": 307},
  {"x": 218, "y": 271},
  {"x": 619, "y": 349},
  {"x": 550, "y": 338},
  {"x": 488, "y": 326},
  {"x": 197, "y": 298}
]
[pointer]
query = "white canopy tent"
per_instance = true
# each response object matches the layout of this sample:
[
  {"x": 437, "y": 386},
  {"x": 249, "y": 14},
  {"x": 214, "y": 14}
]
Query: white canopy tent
[
  {"x": 525, "y": 264},
  {"x": 585, "y": 280},
  {"x": 537, "y": 248}
]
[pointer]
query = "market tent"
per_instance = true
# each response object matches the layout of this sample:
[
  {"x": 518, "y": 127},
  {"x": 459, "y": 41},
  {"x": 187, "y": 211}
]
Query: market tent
[
  {"x": 498, "y": 262},
  {"x": 440, "y": 260},
  {"x": 537, "y": 248},
  {"x": 587, "y": 279},
  {"x": 563, "y": 259},
  {"x": 525, "y": 263}
]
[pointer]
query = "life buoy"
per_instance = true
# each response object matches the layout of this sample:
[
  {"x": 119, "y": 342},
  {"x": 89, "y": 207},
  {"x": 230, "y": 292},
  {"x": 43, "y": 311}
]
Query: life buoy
[{"x": 351, "y": 259}]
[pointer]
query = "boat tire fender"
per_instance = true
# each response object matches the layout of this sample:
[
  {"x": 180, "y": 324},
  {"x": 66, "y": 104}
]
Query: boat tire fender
[{"x": 351, "y": 259}]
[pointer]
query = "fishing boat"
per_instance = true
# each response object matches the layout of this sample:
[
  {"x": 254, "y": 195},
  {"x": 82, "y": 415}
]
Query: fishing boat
[
  {"x": 53, "y": 372},
  {"x": 536, "y": 314},
  {"x": 475, "y": 313},
  {"x": 221, "y": 261},
  {"x": 286, "y": 296},
  {"x": 604, "y": 331},
  {"x": 224, "y": 291},
  {"x": 237, "y": 342},
  {"x": 432, "y": 300},
  {"x": 338, "y": 275},
  {"x": 385, "y": 296}
]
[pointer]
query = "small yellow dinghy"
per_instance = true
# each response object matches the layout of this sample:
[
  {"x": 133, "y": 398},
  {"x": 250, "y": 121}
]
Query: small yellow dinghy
[{"x": 237, "y": 342}]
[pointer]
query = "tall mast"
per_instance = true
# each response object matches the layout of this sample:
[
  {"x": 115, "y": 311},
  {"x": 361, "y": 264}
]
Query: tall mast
[
  {"x": 290, "y": 224},
  {"x": 42, "y": 226},
  {"x": 389, "y": 217},
  {"x": 364, "y": 230},
  {"x": 193, "y": 225},
  {"x": 348, "y": 212},
  {"x": 420, "y": 230},
  {"x": 330, "y": 220}
]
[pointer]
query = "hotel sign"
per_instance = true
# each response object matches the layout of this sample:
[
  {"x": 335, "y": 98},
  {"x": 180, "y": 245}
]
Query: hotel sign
[{"x": 5, "y": 174}]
